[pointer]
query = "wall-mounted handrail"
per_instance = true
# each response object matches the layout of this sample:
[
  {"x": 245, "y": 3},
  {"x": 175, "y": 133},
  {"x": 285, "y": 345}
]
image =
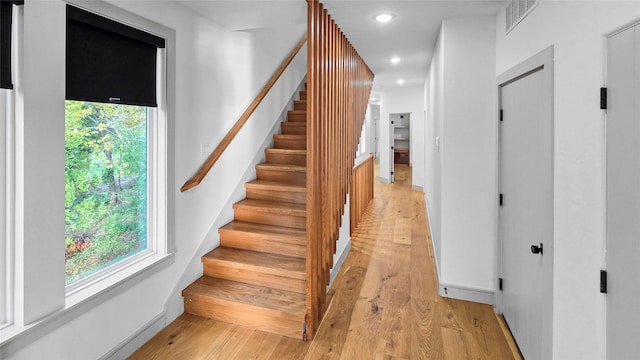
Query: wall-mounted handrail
[
  {"x": 196, "y": 179},
  {"x": 338, "y": 87}
]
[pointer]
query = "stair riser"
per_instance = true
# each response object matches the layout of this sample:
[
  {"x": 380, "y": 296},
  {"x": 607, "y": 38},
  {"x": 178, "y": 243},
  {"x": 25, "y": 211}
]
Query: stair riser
[
  {"x": 297, "y": 117},
  {"x": 292, "y": 144},
  {"x": 286, "y": 177},
  {"x": 245, "y": 315},
  {"x": 289, "y": 128},
  {"x": 224, "y": 270},
  {"x": 262, "y": 217},
  {"x": 246, "y": 241},
  {"x": 299, "y": 105},
  {"x": 303, "y": 95},
  {"x": 274, "y": 195},
  {"x": 290, "y": 159}
]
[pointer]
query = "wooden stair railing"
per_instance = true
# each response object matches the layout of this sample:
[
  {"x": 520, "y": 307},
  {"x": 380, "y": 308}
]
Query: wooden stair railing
[
  {"x": 197, "y": 178},
  {"x": 338, "y": 88}
]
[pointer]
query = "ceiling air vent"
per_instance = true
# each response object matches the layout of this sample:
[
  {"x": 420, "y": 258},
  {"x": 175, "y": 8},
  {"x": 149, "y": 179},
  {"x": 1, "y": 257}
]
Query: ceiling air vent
[{"x": 516, "y": 11}]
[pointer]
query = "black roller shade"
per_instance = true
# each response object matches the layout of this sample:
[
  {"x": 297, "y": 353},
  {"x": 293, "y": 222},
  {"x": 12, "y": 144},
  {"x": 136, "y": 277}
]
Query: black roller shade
[
  {"x": 109, "y": 62},
  {"x": 6, "y": 10}
]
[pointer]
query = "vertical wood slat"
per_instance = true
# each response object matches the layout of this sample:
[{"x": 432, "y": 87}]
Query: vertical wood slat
[{"x": 338, "y": 87}]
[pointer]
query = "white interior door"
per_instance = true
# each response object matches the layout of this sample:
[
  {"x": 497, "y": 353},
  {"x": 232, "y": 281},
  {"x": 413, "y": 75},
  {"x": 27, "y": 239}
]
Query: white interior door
[
  {"x": 526, "y": 213},
  {"x": 623, "y": 195}
]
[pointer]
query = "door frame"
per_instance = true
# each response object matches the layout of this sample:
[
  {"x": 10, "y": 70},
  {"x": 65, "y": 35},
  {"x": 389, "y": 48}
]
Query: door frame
[
  {"x": 541, "y": 60},
  {"x": 607, "y": 242}
]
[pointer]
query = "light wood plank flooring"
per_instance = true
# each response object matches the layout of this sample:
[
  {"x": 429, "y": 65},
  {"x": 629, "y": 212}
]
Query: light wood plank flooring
[{"x": 384, "y": 303}]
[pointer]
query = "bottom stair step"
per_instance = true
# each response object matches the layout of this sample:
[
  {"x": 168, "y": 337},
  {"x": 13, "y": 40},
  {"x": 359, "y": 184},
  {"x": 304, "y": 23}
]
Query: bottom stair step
[{"x": 276, "y": 311}]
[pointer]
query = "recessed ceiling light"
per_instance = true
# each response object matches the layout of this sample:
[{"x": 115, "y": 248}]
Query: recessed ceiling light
[
  {"x": 400, "y": 81},
  {"x": 383, "y": 18},
  {"x": 395, "y": 60}
]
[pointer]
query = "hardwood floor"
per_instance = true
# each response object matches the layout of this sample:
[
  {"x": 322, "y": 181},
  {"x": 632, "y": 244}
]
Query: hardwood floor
[{"x": 384, "y": 303}]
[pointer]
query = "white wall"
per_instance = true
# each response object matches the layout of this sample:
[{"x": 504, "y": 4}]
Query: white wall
[
  {"x": 577, "y": 30},
  {"x": 403, "y": 100},
  {"x": 461, "y": 172},
  {"x": 434, "y": 105},
  {"x": 218, "y": 72}
]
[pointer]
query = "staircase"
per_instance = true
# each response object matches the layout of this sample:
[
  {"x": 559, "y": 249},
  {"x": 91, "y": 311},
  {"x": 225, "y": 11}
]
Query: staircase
[{"x": 257, "y": 277}]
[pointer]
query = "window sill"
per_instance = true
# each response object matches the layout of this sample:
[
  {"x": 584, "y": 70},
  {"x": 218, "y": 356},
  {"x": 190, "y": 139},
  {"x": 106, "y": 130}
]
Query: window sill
[{"x": 75, "y": 299}]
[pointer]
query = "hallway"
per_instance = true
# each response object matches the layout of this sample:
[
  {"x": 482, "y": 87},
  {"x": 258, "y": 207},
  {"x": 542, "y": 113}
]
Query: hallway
[{"x": 383, "y": 305}]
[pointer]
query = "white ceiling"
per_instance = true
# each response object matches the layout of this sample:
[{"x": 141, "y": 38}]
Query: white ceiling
[
  {"x": 250, "y": 14},
  {"x": 410, "y": 35}
]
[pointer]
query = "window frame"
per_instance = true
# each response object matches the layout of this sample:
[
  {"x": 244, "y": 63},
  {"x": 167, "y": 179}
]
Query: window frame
[
  {"x": 7, "y": 175},
  {"x": 157, "y": 176},
  {"x": 6, "y": 205}
]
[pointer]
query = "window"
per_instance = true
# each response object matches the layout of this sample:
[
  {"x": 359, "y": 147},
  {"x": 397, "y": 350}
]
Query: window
[
  {"x": 105, "y": 185},
  {"x": 32, "y": 191},
  {"x": 8, "y": 54},
  {"x": 114, "y": 149}
]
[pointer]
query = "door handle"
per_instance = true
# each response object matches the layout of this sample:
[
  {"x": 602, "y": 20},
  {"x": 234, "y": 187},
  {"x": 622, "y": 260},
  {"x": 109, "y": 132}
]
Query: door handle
[{"x": 535, "y": 249}]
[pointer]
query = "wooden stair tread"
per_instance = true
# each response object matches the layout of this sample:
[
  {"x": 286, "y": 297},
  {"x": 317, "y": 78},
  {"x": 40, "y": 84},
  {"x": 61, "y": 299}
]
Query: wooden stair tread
[
  {"x": 281, "y": 233},
  {"x": 282, "y": 167},
  {"x": 275, "y": 185},
  {"x": 297, "y": 111},
  {"x": 273, "y": 207},
  {"x": 291, "y": 136},
  {"x": 295, "y": 123},
  {"x": 288, "y": 151},
  {"x": 286, "y": 156},
  {"x": 263, "y": 262},
  {"x": 283, "y": 301}
]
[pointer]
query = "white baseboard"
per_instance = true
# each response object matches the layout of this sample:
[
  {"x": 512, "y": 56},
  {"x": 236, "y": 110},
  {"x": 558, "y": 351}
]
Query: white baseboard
[
  {"x": 417, "y": 188},
  {"x": 129, "y": 345},
  {"x": 384, "y": 179},
  {"x": 465, "y": 293},
  {"x": 336, "y": 267}
]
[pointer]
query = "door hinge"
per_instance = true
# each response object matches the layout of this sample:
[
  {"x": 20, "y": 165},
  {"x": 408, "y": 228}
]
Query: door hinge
[
  {"x": 501, "y": 115},
  {"x": 603, "y": 281},
  {"x": 392, "y": 173},
  {"x": 603, "y": 98},
  {"x": 501, "y": 199},
  {"x": 500, "y": 284},
  {"x": 391, "y": 122}
]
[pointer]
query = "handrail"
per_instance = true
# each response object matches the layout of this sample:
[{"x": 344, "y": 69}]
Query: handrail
[{"x": 196, "y": 179}]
